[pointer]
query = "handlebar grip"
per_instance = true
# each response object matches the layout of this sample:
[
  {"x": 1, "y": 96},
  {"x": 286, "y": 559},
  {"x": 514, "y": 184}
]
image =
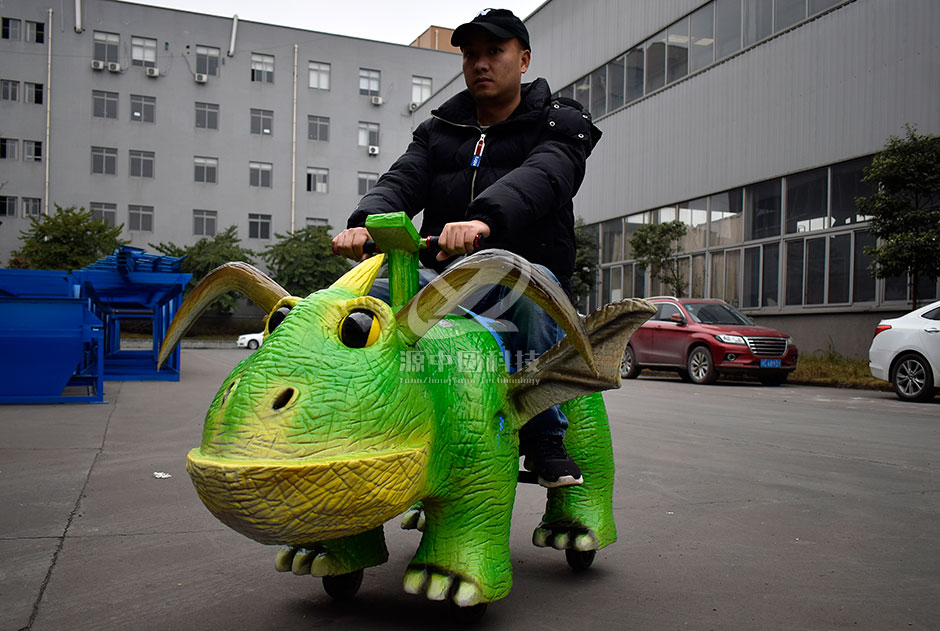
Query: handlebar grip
[{"x": 369, "y": 247}]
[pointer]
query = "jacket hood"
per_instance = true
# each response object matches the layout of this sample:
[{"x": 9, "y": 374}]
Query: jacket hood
[{"x": 462, "y": 110}]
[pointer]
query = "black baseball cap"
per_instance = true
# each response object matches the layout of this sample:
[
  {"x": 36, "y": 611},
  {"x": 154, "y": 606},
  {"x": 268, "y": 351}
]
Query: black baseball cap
[{"x": 499, "y": 22}]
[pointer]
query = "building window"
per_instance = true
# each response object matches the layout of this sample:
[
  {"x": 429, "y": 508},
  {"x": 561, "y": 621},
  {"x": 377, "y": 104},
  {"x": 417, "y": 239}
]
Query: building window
[
  {"x": 9, "y": 90},
  {"x": 762, "y": 210},
  {"x": 206, "y": 169},
  {"x": 616, "y": 82},
  {"x": 582, "y": 91},
  {"x": 420, "y": 89},
  {"x": 316, "y": 222},
  {"x": 143, "y": 108},
  {"x": 33, "y": 93},
  {"x": 104, "y": 212},
  {"x": 262, "y": 121},
  {"x": 104, "y": 104},
  {"x": 635, "y": 68},
  {"x": 141, "y": 163},
  {"x": 318, "y": 128},
  {"x": 758, "y": 20},
  {"x": 262, "y": 68},
  {"x": 655, "y": 62},
  {"x": 807, "y": 201},
  {"x": 204, "y": 222},
  {"x": 846, "y": 185},
  {"x": 207, "y": 60},
  {"x": 32, "y": 150},
  {"x": 259, "y": 174},
  {"x": 727, "y": 27},
  {"x": 598, "y": 105},
  {"x": 104, "y": 160},
  {"x": 207, "y": 115},
  {"x": 367, "y": 181},
  {"x": 106, "y": 46},
  {"x": 143, "y": 52},
  {"x": 7, "y": 206},
  {"x": 32, "y": 206},
  {"x": 702, "y": 38},
  {"x": 319, "y": 75},
  {"x": 318, "y": 180},
  {"x": 259, "y": 226},
  {"x": 369, "y": 81},
  {"x": 8, "y": 147},
  {"x": 677, "y": 50},
  {"x": 368, "y": 134},
  {"x": 612, "y": 241},
  {"x": 140, "y": 218},
  {"x": 35, "y": 32},
  {"x": 10, "y": 28}
]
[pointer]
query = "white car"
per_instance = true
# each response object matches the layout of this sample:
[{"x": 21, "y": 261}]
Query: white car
[
  {"x": 250, "y": 340},
  {"x": 906, "y": 352}
]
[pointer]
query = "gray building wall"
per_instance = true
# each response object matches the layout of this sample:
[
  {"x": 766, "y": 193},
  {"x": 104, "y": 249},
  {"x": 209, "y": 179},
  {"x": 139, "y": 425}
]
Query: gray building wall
[{"x": 174, "y": 138}]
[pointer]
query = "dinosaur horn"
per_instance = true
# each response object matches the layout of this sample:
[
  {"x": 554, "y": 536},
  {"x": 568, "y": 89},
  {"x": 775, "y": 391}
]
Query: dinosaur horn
[
  {"x": 236, "y": 276},
  {"x": 492, "y": 267},
  {"x": 360, "y": 278}
]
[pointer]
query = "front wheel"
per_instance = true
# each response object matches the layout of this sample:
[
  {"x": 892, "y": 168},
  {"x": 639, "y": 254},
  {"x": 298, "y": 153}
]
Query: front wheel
[
  {"x": 628, "y": 366},
  {"x": 343, "y": 586},
  {"x": 701, "y": 366},
  {"x": 578, "y": 560},
  {"x": 252, "y": 344},
  {"x": 912, "y": 378}
]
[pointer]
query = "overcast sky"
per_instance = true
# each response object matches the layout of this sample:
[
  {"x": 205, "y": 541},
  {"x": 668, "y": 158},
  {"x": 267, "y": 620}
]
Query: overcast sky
[{"x": 383, "y": 20}]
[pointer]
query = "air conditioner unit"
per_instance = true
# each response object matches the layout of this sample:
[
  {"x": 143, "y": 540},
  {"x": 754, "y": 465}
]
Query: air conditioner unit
[
  {"x": 413, "y": 106},
  {"x": 202, "y": 78},
  {"x": 373, "y": 150},
  {"x": 114, "y": 66},
  {"x": 152, "y": 72},
  {"x": 377, "y": 100},
  {"x": 97, "y": 64}
]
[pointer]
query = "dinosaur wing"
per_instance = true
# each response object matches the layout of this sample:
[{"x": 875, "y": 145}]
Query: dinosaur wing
[{"x": 561, "y": 374}]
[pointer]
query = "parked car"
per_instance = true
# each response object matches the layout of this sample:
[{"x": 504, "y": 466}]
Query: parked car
[
  {"x": 250, "y": 340},
  {"x": 702, "y": 339},
  {"x": 906, "y": 352}
]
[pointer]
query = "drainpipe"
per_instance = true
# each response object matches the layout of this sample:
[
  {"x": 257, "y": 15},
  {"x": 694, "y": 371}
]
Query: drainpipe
[
  {"x": 48, "y": 96},
  {"x": 231, "y": 45},
  {"x": 79, "y": 27},
  {"x": 293, "y": 150}
]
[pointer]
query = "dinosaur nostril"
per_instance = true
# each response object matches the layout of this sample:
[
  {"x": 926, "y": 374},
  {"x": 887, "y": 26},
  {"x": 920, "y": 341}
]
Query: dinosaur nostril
[{"x": 283, "y": 398}]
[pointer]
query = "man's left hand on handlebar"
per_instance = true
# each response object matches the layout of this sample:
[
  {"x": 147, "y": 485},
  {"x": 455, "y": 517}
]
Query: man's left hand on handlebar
[{"x": 461, "y": 237}]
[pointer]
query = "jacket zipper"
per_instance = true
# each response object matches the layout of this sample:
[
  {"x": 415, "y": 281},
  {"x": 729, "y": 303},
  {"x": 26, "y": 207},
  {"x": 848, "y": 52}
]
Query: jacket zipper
[{"x": 477, "y": 152}]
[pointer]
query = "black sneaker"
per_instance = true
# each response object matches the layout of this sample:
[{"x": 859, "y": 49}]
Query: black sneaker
[{"x": 546, "y": 456}]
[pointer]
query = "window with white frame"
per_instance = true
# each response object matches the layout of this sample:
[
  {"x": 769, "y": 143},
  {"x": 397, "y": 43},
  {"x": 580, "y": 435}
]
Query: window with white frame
[
  {"x": 318, "y": 128},
  {"x": 319, "y": 75},
  {"x": 206, "y": 169},
  {"x": 32, "y": 150},
  {"x": 9, "y": 90},
  {"x": 318, "y": 180},
  {"x": 104, "y": 104},
  {"x": 33, "y": 93},
  {"x": 140, "y": 218},
  {"x": 262, "y": 68},
  {"x": 368, "y": 134},
  {"x": 107, "y": 46},
  {"x": 7, "y": 206},
  {"x": 207, "y": 60},
  {"x": 262, "y": 121},
  {"x": 141, "y": 163},
  {"x": 367, "y": 181},
  {"x": 259, "y": 174},
  {"x": 8, "y": 148},
  {"x": 204, "y": 222},
  {"x": 259, "y": 226},
  {"x": 369, "y": 82},
  {"x": 10, "y": 28},
  {"x": 420, "y": 89},
  {"x": 32, "y": 206},
  {"x": 207, "y": 115},
  {"x": 105, "y": 212},
  {"x": 143, "y": 108},
  {"x": 143, "y": 52},
  {"x": 104, "y": 160},
  {"x": 35, "y": 32},
  {"x": 316, "y": 222}
]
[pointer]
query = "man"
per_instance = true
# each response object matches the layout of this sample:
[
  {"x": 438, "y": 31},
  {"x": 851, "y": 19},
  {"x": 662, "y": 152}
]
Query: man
[{"x": 500, "y": 161}]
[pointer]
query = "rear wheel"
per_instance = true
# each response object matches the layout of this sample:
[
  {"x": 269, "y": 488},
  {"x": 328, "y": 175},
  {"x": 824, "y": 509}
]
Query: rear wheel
[
  {"x": 578, "y": 560},
  {"x": 628, "y": 366},
  {"x": 343, "y": 586},
  {"x": 252, "y": 344},
  {"x": 912, "y": 378},
  {"x": 702, "y": 366},
  {"x": 467, "y": 615}
]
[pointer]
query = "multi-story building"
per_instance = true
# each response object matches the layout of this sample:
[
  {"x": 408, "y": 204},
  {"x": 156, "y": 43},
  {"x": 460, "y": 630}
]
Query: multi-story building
[
  {"x": 750, "y": 121},
  {"x": 178, "y": 125}
]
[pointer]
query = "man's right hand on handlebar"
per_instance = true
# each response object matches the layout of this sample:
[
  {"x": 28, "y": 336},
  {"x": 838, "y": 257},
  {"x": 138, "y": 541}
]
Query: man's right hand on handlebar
[{"x": 349, "y": 243}]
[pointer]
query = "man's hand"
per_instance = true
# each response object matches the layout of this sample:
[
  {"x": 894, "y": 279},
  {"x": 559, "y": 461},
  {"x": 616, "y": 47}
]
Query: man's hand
[
  {"x": 349, "y": 243},
  {"x": 458, "y": 237}
]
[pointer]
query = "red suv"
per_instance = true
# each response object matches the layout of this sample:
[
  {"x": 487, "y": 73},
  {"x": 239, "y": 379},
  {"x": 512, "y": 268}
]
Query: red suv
[{"x": 704, "y": 338}]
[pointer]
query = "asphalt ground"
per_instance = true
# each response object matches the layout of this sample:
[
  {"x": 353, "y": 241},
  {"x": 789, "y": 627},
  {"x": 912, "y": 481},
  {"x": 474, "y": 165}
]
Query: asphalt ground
[{"x": 738, "y": 507}]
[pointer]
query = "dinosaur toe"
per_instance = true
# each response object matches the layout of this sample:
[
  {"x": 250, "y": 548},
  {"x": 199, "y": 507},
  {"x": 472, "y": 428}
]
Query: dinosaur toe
[
  {"x": 413, "y": 518},
  {"x": 438, "y": 584},
  {"x": 564, "y": 538}
]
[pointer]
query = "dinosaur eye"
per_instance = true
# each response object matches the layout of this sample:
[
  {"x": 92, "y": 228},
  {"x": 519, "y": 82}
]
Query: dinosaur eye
[
  {"x": 360, "y": 328},
  {"x": 277, "y": 317}
]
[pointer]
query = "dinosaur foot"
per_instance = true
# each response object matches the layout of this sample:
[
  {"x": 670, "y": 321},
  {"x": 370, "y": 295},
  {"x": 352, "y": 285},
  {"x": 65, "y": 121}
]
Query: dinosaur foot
[
  {"x": 440, "y": 584},
  {"x": 413, "y": 519},
  {"x": 314, "y": 561},
  {"x": 562, "y": 537}
]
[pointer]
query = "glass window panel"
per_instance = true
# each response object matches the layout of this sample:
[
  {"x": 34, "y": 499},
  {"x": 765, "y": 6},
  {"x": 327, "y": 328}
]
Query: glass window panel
[
  {"x": 926, "y": 289},
  {"x": 582, "y": 91},
  {"x": 751, "y": 297},
  {"x": 666, "y": 214},
  {"x": 616, "y": 82},
  {"x": 616, "y": 283},
  {"x": 599, "y": 92},
  {"x": 612, "y": 241},
  {"x": 815, "y": 6},
  {"x": 770, "y": 285},
  {"x": 702, "y": 38},
  {"x": 694, "y": 215},
  {"x": 639, "y": 282},
  {"x": 815, "y": 271},
  {"x": 896, "y": 287},
  {"x": 863, "y": 283},
  {"x": 632, "y": 223},
  {"x": 697, "y": 287},
  {"x": 683, "y": 265},
  {"x": 794, "y": 273},
  {"x": 840, "y": 251},
  {"x": 727, "y": 27},
  {"x": 758, "y": 20},
  {"x": 677, "y": 50},
  {"x": 635, "y": 60},
  {"x": 733, "y": 277},
  {"x": 847, "y": 184},
  {"x": 628, "y": 281},
  {"x": 718, "y": 275},
  {"x": 762, "y": 202},
  {"x": 605, "y": 285},
  {"x": 655, "y": 61},
  {"x": 727, "y": 224},
  {"x": 806, "y": 201},
  {"x": 788, "y": 12}
]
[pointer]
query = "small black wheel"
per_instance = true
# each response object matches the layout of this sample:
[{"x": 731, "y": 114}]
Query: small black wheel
[
  {"x": 343, "y": 586},
  {"x": 467, "y": 615},
  {"x": 912, "y": 378},
  {"x": 578, "y": 560},
  {"x": 252, "y": 344},
  {"x": 628, "y": 366},
  {"x": 702, "y": 366}
]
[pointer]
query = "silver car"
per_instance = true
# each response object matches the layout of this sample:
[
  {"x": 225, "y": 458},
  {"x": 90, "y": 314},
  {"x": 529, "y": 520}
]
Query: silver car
[{"x": 906, "y": 352}]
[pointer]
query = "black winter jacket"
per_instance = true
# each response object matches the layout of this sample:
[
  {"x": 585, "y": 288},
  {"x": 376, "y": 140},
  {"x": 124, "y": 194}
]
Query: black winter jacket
[{"x": 530, "y": 169}]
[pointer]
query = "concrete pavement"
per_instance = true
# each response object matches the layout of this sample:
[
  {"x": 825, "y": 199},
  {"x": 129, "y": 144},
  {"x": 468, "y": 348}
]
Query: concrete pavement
[{"x": 738, "y": 506}]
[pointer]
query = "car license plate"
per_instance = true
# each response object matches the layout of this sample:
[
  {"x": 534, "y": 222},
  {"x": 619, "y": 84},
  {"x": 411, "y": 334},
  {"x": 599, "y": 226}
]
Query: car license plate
[{"x": 770, "y": 363}]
